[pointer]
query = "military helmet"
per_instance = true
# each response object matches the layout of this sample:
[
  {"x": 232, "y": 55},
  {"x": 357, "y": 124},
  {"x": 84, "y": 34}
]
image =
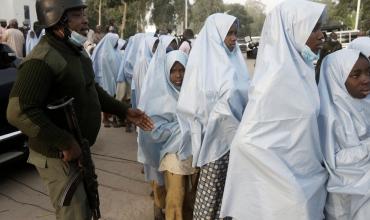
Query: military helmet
[{"x": 49, "y": 12}]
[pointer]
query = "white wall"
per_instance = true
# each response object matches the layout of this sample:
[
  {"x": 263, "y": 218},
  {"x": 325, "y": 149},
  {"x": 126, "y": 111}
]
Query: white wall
[
  {"x": 15, "y": 9},
  {"x": 6, "y": 9}
]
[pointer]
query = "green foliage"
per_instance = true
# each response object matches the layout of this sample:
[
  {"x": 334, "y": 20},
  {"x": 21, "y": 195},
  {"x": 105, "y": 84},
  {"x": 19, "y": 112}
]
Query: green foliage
[
  {"x": 163, "y": 14},
  {"x": 92, "y": 12},
  {"x": 201, "y": 9},
  {"x": 112, "y": 13},
  {"x": 365, "y": 16},
  {"x": 344, "y": 12},
  {"x": 255, "y": 9},
  {"x": 169, "y": 14},
  {"x": 180, "y": 12},
  {"x": 113, "y": 3},
  {"x": 135, "y": 20}
]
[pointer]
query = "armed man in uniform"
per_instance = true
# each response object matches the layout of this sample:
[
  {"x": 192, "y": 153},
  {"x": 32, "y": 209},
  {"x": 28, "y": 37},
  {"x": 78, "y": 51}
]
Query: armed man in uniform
[{"x": 59, "y": 67}]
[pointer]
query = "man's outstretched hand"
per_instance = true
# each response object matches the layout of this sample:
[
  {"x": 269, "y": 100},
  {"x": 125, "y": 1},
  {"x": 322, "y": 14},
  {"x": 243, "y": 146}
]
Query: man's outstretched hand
[{"x": 140, "y": 119}]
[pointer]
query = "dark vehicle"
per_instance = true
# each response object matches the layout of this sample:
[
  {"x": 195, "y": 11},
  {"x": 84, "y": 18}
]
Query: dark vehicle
[
  {"x": 252, "y": 50},
  {"x": 252, "y": 47},
  {"x": 12, "y": 141}
]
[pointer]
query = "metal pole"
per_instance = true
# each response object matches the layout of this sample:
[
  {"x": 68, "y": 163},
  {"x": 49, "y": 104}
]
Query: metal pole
[
  {"x": 186, "y": 14},
  {"x": 99, "y": 23},
  {"x": 357, "y": 13}
]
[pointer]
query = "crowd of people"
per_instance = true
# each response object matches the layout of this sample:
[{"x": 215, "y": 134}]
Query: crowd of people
[
  {"x": 215, "y": 141},
  {"x": 20, "y": 39}
]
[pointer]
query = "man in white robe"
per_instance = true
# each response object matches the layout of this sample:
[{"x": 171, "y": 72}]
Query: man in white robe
[{"x": 14, "y": 38}]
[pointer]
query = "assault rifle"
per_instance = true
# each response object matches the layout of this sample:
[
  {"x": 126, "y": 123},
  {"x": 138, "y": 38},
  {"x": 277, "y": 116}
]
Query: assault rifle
[{"x": 86, "y": 170}]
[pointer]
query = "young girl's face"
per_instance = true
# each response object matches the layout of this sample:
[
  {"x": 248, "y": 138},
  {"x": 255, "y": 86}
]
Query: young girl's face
[
  {"x": 315, "y": 40},
  {"x": 230, "y": 39},
  {"x": 358, "y": 81},
  {"x": 177, "y": 74}
]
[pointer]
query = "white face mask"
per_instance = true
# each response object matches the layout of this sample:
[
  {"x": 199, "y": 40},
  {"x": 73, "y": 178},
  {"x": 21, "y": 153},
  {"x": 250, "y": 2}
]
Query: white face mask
[
  {"x": 308, "y": 56},
  {"x": 77, "y": 38}
]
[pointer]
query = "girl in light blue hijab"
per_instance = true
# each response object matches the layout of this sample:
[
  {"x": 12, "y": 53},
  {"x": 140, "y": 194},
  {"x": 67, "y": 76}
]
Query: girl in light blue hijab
[
  {"x": 146, "y": 51},
  {"x": 345, "y": 134},
  {"x": 130, "y": 56},
  {"x": 211, "y": 104},
  {"x": 126, "y": 71},
  {"x": 275, "y": 170},
  {"x": 160, "y": 93},
  {"x": 106, "y": 60},
  {"x": 148, "y": 152}
]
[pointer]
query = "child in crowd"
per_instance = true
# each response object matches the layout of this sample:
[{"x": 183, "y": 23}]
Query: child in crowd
[{"x": 345, "y": 133}]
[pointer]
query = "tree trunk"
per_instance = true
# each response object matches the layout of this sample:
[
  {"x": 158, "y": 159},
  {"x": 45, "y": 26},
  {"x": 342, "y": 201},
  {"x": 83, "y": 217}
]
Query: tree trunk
[{"x": 123, "y": 24}]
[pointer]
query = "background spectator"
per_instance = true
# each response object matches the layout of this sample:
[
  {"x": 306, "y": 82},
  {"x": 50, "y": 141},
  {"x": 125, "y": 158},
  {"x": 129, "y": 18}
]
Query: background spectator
[
  {"x": 2, "y": 28},
  {"x": 14, "y": 38}
]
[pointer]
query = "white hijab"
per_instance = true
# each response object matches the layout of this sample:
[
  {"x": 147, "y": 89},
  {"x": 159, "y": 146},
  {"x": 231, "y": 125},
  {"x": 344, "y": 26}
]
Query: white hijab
[
  {"x": 106, "y": 60},
  {"x": 130, "y": 56},
  {"x": 361, "y": 44},
  {"x": 345, "y": 138},
  {"x": 31, "y": 42},
  {"x": 121, "y": 42},
  {"x": 154, "y": 103},
  {"x": 275, "y": 159},
  {"x": 160, "y": 97},
  {"x": 141, "y": 66},
  {"x": 214, "y": 92}
]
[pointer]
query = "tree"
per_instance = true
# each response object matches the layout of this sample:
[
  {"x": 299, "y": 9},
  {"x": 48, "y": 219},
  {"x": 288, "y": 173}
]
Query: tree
[
  {"x": 332, "y": 21},
  {"x": 365, "y": 16},
  {"x": 163, "y": 14},
  {"x": 344, "y": 12},
  {"x": 136, "y": 12},
  {"x": 255, "y": 9},
  {"x": 180, "y": 13},
  {"x": 241, "y": 13},
  {"x": 201, "y": 9},
  {"x": 112, "y": 12}
]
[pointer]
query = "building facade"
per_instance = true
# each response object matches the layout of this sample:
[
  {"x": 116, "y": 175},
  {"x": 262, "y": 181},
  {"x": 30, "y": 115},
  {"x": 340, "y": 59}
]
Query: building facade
[{"x": 20, "y": 9}]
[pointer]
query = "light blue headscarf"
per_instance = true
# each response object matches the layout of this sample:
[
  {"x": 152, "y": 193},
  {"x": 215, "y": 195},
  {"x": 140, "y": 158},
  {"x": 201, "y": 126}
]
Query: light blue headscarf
[
  {"x": 158, "y": 100},
  {"x": 275, "y": 155},
  {"x": 344, "y": 127},
  {"x": 106, "y": 60},
  {"x": 214, "y": 92},
  {"x": 361, "y": 44},
  {"x": 130, "y": 56},
  {"x": 141, "y": 66}
]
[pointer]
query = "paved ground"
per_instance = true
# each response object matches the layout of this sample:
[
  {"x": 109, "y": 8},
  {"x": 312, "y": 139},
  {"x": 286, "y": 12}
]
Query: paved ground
[{"x": 124, "y": 194}]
